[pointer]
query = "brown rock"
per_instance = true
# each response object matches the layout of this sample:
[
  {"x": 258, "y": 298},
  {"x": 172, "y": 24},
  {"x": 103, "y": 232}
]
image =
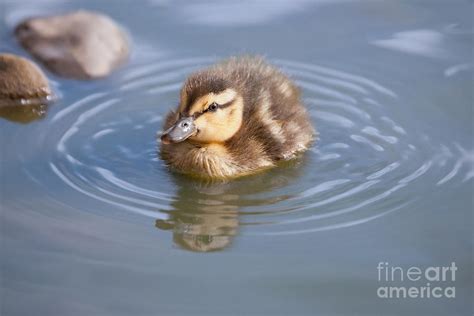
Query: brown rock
[
  {"x": 80, "y": 44},
  {"x": 24, "y": 89},
  {"x": 21, "y": 82}
]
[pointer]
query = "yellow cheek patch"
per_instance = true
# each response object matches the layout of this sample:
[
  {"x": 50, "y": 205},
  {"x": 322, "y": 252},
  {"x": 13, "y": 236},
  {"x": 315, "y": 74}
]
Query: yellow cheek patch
[{"x": 219, "y": 126}]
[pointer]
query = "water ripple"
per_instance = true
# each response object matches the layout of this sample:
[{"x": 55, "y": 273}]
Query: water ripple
[{"x": 102, "y": 148}]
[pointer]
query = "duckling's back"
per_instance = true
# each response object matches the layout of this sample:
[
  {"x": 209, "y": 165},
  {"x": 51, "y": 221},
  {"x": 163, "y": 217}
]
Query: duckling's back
[{"x": 277, "y": 125}]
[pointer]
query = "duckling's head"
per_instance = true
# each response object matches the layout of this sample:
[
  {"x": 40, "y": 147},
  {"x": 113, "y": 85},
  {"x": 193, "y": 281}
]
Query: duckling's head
[{"x": 210, "y": 111}]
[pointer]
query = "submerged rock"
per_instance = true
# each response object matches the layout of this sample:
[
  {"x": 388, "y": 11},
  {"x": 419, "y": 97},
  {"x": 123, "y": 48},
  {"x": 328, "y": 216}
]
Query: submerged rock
[
  {"x": 23, "y": 114},
  {"x": 24, "y": 89},
  {"x": 80, "y": 45}
]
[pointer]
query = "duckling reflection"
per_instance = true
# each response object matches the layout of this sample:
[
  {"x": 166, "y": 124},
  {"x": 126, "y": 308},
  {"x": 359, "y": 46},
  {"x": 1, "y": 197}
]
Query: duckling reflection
[
  {"x": 207, "y": 215},
  {"x": 203, "y": 224}
]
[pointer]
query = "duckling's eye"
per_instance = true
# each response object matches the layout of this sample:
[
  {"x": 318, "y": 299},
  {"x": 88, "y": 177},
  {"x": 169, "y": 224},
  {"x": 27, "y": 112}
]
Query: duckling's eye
[{"x": 213, "y": 106}]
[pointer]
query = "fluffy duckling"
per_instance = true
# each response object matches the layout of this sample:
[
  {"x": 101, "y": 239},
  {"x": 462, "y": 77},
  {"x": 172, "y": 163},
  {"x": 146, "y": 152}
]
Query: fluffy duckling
[{"x": 235, "y": 118}]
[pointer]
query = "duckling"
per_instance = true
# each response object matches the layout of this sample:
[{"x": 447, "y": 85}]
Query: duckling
[{"x": 235, "y": 118}]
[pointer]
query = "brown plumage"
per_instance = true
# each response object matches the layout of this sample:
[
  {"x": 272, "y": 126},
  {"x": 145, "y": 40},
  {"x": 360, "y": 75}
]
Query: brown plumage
[{"x": 235, "y": 118}]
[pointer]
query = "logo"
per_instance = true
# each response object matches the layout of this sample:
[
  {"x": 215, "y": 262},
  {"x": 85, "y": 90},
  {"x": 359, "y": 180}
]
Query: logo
[{"x": 416, "y": 282}]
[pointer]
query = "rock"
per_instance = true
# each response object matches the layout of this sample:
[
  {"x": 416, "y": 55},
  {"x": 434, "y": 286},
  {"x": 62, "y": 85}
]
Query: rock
[
  {"x": 24, "y": 89},
  {"x": 21, "y": 82},
  {"x": 80, "y": 44},
  {"x": 23, "y": 114}
]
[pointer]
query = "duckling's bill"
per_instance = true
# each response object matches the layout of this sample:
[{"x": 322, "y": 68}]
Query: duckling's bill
[{"x": 180, "y": 131}]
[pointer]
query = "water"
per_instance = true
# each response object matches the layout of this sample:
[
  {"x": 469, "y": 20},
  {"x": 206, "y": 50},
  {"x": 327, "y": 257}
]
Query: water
[{"x": 93, "y": 223}]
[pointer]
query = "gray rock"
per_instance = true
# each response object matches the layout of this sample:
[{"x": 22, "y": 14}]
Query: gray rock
[{"x": 80, "y": 44}]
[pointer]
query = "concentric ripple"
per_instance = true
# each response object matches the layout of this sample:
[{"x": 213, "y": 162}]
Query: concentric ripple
[{"x": 365, "y": 165}]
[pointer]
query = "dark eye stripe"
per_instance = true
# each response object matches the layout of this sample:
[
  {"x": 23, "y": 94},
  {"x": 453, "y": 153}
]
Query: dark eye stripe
[{"x": 220, "y": 106}]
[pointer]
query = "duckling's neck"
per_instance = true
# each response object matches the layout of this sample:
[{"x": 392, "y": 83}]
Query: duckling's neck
[
  {"x": 216, "y": 160},
  {"x": 205, "y": 159},
  {"x": 218, "y": 149}
]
